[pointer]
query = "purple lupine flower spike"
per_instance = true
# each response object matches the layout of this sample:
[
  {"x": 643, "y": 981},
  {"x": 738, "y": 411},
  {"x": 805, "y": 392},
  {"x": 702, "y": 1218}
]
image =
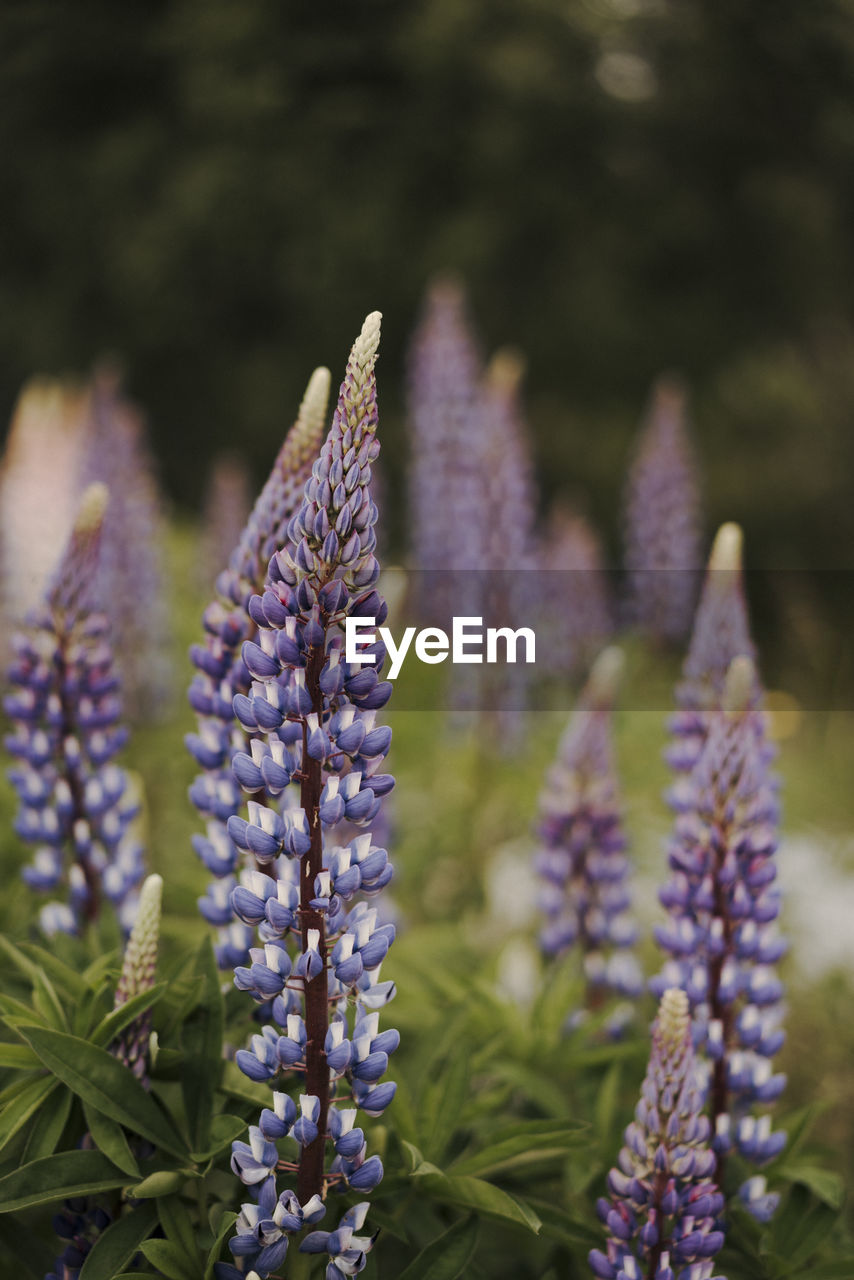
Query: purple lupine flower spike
[
  {"x": 583, "y": 863},
  {"x": 445, "y": 478},
  {"x": 663, "y": 1203},
  {"x": 721, "y": 933},
  {"x": 228, "y": 504},
  {"x": 137, "y": 975},
  {"x": 131, "y": 579},
  {"x": 221, "y": 672},
  {"x": 720, "y": 633},
  {"x": 75, "y": 805},
  {"x": 662, "y": 521},
  {"x": 321, "y": 944},
  {"x": 578, "y": 618}
]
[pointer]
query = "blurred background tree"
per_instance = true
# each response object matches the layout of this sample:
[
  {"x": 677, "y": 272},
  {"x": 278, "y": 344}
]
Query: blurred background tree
[{"x": 218, "y": 192}]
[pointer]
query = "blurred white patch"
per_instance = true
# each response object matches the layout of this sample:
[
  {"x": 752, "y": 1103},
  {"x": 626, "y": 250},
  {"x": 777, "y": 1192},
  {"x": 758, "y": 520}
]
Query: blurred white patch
[
  {"x": 818, "y": 901},
  {"x": 512, "y": 885},
  {"x": 519, "y": 977},
  {"x": 627, "y": 76}
]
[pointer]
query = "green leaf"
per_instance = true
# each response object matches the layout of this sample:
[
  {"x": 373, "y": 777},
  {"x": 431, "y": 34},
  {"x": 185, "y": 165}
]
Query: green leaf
[
  {"x": 109, "y": 1138},
  {"x": 119, "y": 1243},
  {"x": 841, "y": 1270},
  {"x": 71, "y": 1173},
  {"x": 177, "y": 1225},
  {"x": 544, "y": 1143},
  {"x": 64, "y": 977},
  {"x": 800, "y": 1225},
  {"x": 483, "y": 1197},
  {"x": 827, "y": 1186},
  {"x": 19, "y": 1056},
  {"x": 117, "y": 1019},
  {"x": 46, "y": 1129},
  {"x": 235, "y": 1084},
  {"x": 103, "y": 1082},
  {"x": 443, "y": 1102},
  {"x": 534, "y": 1085},
  {"x": 18, "y": 1111},
  {"x": 224, "y": 1227},
  {"x": 446, "y": 1257},
  {"x": 559, "y": 1225},
  {"x": 162, "y": 1182},
  {"x": 170, "y": 1259},
  {"x": 224, "y": 1129},
  {"x": 201, "y": 1039},
  {"x": 13, "y": 1012}
]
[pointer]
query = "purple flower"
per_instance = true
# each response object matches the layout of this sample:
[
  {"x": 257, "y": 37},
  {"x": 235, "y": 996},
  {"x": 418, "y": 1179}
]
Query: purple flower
[
  {"x": 662, "y": 521},
  {"x": 226, "y": 510},
  {"x": 137, "y": 975},
  {"x": 74, "y": 803},
  {"x": 720, "y": 633},
  {"x": 221, "y": 674},
  {"x": 130, "y": 573},
  {"x": 583, "y": 864},
  {"x": 318, "y": 753},
  {"x": 721, "y": 933},
  {"x": 577, "y": 610},
  {"x": 662, "y": 1210}
]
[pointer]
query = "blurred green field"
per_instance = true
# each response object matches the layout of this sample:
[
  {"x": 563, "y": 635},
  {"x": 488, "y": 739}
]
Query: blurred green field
[{"x": 462, "y": 817}]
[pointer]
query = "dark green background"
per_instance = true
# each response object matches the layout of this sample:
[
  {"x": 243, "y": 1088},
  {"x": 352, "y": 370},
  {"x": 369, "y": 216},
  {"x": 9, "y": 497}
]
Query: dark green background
[{"x": 219, "y": 191}]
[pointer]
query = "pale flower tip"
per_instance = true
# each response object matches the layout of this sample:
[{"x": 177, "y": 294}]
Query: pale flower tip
[
  {"x": 605, "y": 676},
  {"x": 506, "y": 370},
  {"x": 739, "y": 686},
  {"x": 152, "y": 891},
  {"x": 727, "y": 549},
  {"x": 673, "y": 1014},
  {"x": 92, "y": 507},
  {"x": 366, "y": 345},
  {"x": 315, "y": 402}
]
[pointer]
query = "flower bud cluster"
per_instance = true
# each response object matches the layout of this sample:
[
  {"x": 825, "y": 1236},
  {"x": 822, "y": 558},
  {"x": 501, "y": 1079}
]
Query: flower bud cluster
[
  {"x": 662, "y": 521},
  {"x": 221, "y": 672},
  {"x": 720, "y": 633},
  {"x": 137, "y": 975},
  {"x": 311, "y": 718},
  {"x": 583, "y": 863},
  {"x": 74, "y": 803},
  {"x": 663, "y": 1207},
  {"x": 721, "y": 932}
]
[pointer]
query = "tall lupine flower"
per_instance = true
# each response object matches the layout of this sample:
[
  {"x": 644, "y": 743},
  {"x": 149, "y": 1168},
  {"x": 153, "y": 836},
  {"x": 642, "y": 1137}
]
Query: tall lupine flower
[
  {"x": 320, "y": 953},
  {"x": 663, "y": 1206},
  {"x": 580, "y": 615},
  {"x": 137, "y": 975},
  {"x": 586, "y": 897},
  {"x": 720, "y": 633},
  {"x": 227, "y": 507},
  {"x": 221, "y": 672},
  {"x": 39, "y": 489},
  {"x": 130, "y": 574},
  {"x": 446, "y": 486},
  {"x": 721, "y": 932},
  {"x": 662, "y": 521},
  {"x": 74, "y": 803}
]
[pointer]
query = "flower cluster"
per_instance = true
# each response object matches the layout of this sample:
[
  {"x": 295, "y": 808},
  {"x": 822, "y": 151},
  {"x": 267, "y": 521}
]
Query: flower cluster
[
  {"x": 228, "y": 504},
  {"x": 75, "y": 805},
  {"x": 586, "y": 897},
  {"x": 221, "y": 673},
  {"x": 722, "y": 908},
  {"x": 79, "y": 1225},
  {"x": 444, "y": 373},
  {"x": 577, "y": 614},
  {"x": 662, "y": 521},
  {"x": 130, "y": 570},
  {"x": 663, "y": 1206},
  {"x": 312, "y": 715},
  {"x": 137, "y": 975},
  {"x": 721, "y": 632}
]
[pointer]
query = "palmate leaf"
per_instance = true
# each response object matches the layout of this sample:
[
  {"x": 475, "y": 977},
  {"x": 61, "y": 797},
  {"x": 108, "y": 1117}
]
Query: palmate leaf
[
  {"x": 201, "y": 1038},
  {"x": 482, "y": 1197},
  {"x": 118, "y": 1244},
  {"x": 523, "y": 1145},
  {"x": 28, "y": 1098},
  {"x": 71, "y": 1173},
  {"x": 117, "y": 1019},
  {"x": 46, "y": 1129},
  {"x": 446, "y": 1257},
  {"x": 105, "y": 1084},
  {"x": 108, "y": 1137},
  {"x": 170, "y": 1259}
]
